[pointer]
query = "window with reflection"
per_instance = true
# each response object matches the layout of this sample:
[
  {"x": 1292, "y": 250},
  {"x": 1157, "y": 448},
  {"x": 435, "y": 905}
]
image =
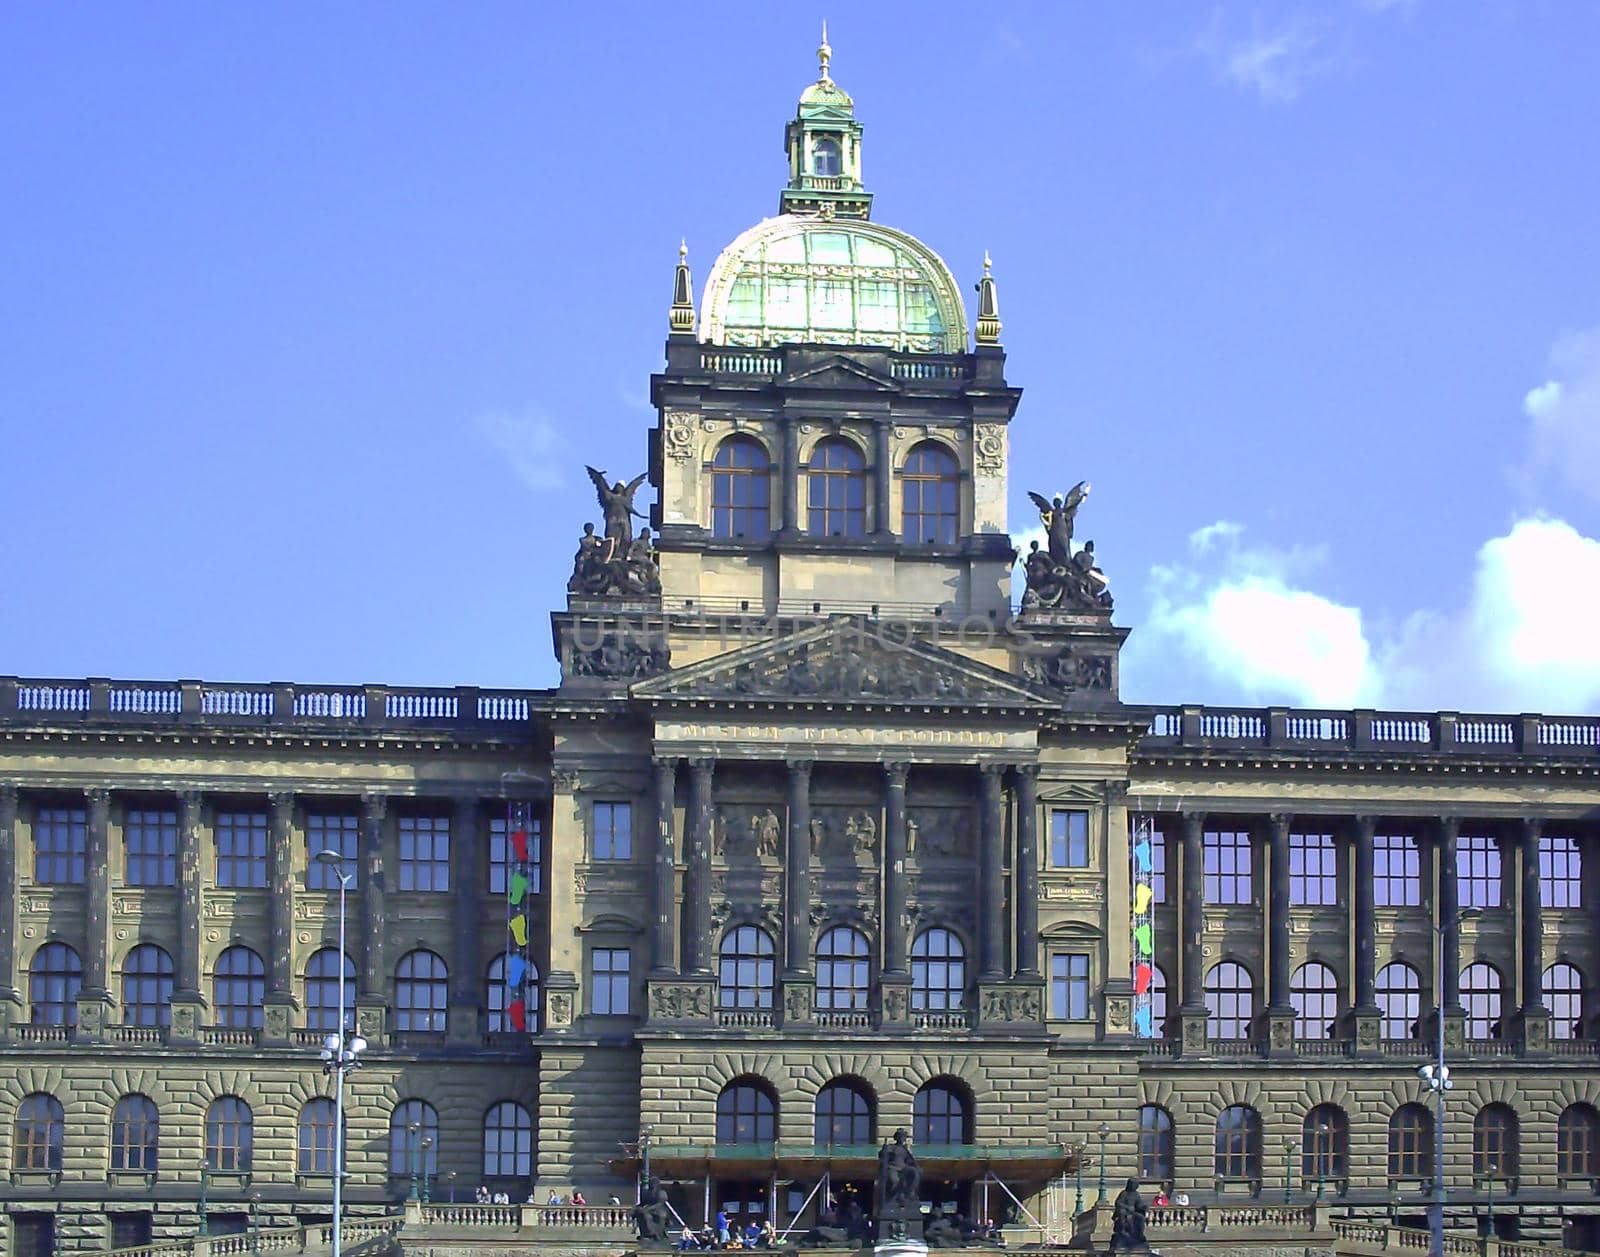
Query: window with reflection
[
  {"x": 54, "y": 979},
  {"x": 1399, "y": 996},
  {"x": 747, "y": 1113},
  {"x": 745, "y": 977},
  {"x": 1158, "y": 1002},
  {"x": 1563, "y": 996},
  {"x": 150, "y": 842},
  {"x": 336, "y": 832},
  {"x": 37, "y": 1137},
  {"x": 238, "y": 987},
  {"x": 1494, "y": 1144},
  {"x": 1230, "y": 996},
  {"x": 504, "y": 988},
  {"x": 1313, "y": 870},
  {"x": 940, "y": 1114},
  {"x": 1155, "y": 1144},
  {"x": 741, "y": 490},
  {"x": 1578, "y": 1142},
  {"x": 1411, "y": 1143},
  {"x": 60, "y": 841},
  {"x": 322, "y": 991},
  {"x": 1314, "y": 992},
  {"x": 1227, "y": 855},
  {"x": 1480, "y": 996},
  {"x": 421, "y": 992},
  {"x": 1238, "y": 1151},
  {"x": 1478, "y": 873},
  {"x": 314, "y": 1137},
  {"x": 230, "y": 1135},
  {"x": 825, "y": 158},
  {"x": 241, "y": 850},
  {"x": 938, "y": 971},
  {"x": 505, "y": 857},
  {"x": 413, "y": 1139},
  {"x": 1324, "y": 1145},
  {"x": 843, "y": 972},
  {"x": 508, "y": 1141},
  {"x": 1560, "y": 872},
  {"x": 135, "y": 1135},
  {"x": 930, "y": 495},
  {"x": 843, "y": 1115},
  {"x": 147, "y": 987},
  {"x": 1396, "y": 871},
  {"x": 836, "y": 490}
]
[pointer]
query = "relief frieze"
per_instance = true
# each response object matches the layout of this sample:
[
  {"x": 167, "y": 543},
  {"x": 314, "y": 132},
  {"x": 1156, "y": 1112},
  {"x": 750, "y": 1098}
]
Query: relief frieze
[
  {"x": 747, "y": 831},
  {"x": 938, "y": 833}
]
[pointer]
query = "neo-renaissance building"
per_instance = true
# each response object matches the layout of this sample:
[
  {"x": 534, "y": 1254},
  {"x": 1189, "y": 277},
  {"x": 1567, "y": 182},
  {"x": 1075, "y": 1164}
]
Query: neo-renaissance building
[{"x": 817, "y": 838}]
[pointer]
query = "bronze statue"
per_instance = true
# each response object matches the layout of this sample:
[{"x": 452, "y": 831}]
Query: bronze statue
[
  {"x": 1057, "y": 517},
  {"x": 1056, "y": 578},
  {"x": 616, "y": 501},
  {"x": 653, "y": 1214},
  {"x": 1127, "y": 1219},
  {"x": 899, "y": 1179}
]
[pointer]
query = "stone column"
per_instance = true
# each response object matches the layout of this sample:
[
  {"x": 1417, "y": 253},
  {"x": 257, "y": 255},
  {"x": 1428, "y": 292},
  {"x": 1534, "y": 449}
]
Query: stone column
[
  {"x": 280, "y": 1003},
  {"x": 883, "y": 477},
  {"x": 372, "y": 1002},
  {"x": 798, "y": 991},
  {"x": 991, "y": 872},
  {"x": 894, "y": 868},
  {"x": 10, "y": 996},
  {"x": 791, "y": 478},
  {"x": 663, "y": 888},
  {"x": 1364, "y": 1014},
  {"x": 467, "y": 868},
  {"x": 1448, "y": 996},
  {"x": 1534, "y": 1014},
  {"x": 697, "y": 941},
  {"x": 1280, "y": 1008},
  {"x": 187, "y": 1000},
  {"x": 1192, "y": 1010},
  {"x": 1027, "y": 787},
  {"x": 95, "y": 994}
]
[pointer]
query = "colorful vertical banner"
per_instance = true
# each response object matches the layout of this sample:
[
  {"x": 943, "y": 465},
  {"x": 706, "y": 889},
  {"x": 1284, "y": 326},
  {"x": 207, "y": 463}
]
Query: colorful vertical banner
[
  {"x": 1143, "y": 856},
  {"x": 519, "y": 902}
]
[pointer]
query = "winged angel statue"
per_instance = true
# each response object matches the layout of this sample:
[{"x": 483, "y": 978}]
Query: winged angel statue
[
  {"x": 617, "y": 562},
  {"x": 1056, "y": 577}
]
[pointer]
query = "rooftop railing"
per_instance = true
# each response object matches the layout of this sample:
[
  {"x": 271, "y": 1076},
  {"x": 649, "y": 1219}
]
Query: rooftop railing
[{"x": 920, "y": 368}]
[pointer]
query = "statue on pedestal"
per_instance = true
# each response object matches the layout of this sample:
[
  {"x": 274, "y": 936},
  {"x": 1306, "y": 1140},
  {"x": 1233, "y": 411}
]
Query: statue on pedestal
[
  {"x": 1056, "y": 577},
  {"x": 1127, "y": 1219},
  {"x": 617, "y": 564},
  {"x": 653, "y": 1214}
]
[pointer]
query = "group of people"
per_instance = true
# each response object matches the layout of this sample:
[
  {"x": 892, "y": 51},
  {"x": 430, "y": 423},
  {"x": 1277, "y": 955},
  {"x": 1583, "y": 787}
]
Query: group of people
[
  {"x": 575, "y": 1201},
  {"x": 723, "y": 1235}
]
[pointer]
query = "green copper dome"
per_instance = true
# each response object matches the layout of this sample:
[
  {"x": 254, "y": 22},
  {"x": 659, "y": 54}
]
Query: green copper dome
[{"x": 832, "y": 281}]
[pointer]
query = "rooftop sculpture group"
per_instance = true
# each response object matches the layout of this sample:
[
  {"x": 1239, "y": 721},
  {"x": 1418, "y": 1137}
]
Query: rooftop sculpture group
[
  {"x": 1058, "y": 579},
  {"x": 617, "y": 564}
]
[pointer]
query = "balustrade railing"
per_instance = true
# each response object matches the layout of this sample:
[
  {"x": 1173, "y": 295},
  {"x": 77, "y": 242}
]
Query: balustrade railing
[{"x": 745, "y": 1018}]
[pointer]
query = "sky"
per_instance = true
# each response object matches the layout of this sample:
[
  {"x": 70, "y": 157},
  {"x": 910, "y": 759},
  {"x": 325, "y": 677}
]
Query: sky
[{"x": 310, "y": 317}]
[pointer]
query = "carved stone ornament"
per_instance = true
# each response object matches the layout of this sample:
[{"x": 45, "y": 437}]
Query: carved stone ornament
[
  {"x": 747, "y": 831},
  {"x": 679, "y": 435},
  {"x": 1367, "y": 1034},
  {"x": 989, "y": 447},
  {"x": 1194, "y": 1034},
  {"x": 797, "y": 1002},
  {"x": 843, "y": 831},
  {"x": 1119, "y": 1014},
  {"x": 1010, "y": 1004},
  {"x": 559, "y": 1009},
  {"x": 1069, "y": 669},
  {"x": 675, "y": 1001},
  {"x": 619, "y": 656},
  {"x": 895, "y": 1003}
]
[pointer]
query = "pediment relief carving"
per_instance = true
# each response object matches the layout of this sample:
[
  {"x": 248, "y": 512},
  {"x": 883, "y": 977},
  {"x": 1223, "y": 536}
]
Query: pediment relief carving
[{"x": 840, "y": 372}]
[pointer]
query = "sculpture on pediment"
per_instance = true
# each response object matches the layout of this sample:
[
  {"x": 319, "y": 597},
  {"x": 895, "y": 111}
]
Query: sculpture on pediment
[
  {"x": 1055, "y": 576},
  {"x": 619, "y": 656},
  {"x": 1068, "y": 669},
  {"x": 600, "y": 570},
  {"x": 850, "y": 671}
]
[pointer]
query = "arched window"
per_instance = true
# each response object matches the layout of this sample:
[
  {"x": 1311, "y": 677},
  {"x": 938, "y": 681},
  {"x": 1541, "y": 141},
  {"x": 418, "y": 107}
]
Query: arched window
[
  {"x": 135, "y": 1134},
  {"x": 1563, "y": 995},
  {"x": 147, "y": 987},
  {"x": 507, "y": 1142},
  {"x": 502, "y": 1014},
  {"x": 746, "y": 1114},
  {"x": 741, "y": 490},
  {"x": 1314, "y": 992},
  {"x": 239, "y": 985},
  {"x": 1230, "y": 1001},
  {"x": 836, "y": 488},
  {"x": 1399, "y": 994},
  {"x": 825, "y": 158},
  {"x": 1155, "y": 1144},
  {"x": 230, "y": 1135},
  {"x": 1494, "y": 1144},
  {"x": 1480, "y": 995},
  {"x": 53, "y": 982},
  {"x": 1158, "y": 1002},
  {"x": 322, "y": 991},
  {"x": 1324, "y": 1145},
  {"x": 1239, "y": 1143},
  {"x": 38, "y": 1136},
  {"x": 844, "y": 1115},
  {"x": 938, "y": 971},
  {"x": 1411, "y": 1143},
  {"x": 421, "y": 992},
  {"x": 842, "y": 973},
  {"x": 1578, "y": 1142},
  {"x": 930, "y": 495},
  {"x": 940, "y": 1114},
  {"x": 413, "y": 1139},
  {"x": 315, "y": 1137},
  {"x": 745, "y": 968}
]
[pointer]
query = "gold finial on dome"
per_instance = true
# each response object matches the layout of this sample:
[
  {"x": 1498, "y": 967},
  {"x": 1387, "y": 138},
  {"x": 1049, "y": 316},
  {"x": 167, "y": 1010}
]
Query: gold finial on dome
[
  {"x": 988, "y": 330},
  {"x": 681, "y": 320},
  {"x": 824, "y": 53}
]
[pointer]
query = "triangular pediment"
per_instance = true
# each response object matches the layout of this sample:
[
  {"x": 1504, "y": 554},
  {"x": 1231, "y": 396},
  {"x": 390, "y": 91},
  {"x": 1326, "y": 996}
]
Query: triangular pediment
[
  {"x": 846, "y": 661},
  {"x": 840, "y": 372}
]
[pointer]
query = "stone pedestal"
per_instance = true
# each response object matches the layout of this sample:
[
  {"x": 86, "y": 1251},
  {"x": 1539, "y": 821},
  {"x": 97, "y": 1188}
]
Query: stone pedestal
[
  {"x": 1366, "y": 1031},
  {"x": 94, "y": 1012},
  {"x": 461, "y": 1026},
  {"x": 277, "y": 1019},
  {"x": 681, "y": 1001},
  {"x": 12, "y": 1012},
  {"x": 188, "y": 1015},
  {"x": 1280, "y": 1031},
  {"x": 372, "y": 1019},
  {"x": 896, "y": 993},
  {"x": 1192, "y": 1039},
  {"x": 1533, "y": 1027},
  {"x": 1118, "y": 1009},
  {"x": 1455, "y": 1029},
  {"x": 560, "y": 1001},
  {"x": 799, "y": 1001}
]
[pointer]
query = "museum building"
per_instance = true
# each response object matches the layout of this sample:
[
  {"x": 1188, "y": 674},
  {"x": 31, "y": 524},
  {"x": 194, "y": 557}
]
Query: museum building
[{"x": 818, "y": 838}]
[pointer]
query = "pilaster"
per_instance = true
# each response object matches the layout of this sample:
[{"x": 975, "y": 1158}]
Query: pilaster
[
  {"x": 1027, "y": 787},
  {"x": 1193, "y": 825},
  {"x": 797, "y": 882},
  {"x": 882, "y": 477},
  {"x": 372, "y": 1009},
  {"x": 10, "y": 996},
  {"x": 663, "y": 887},
  {"x": 466, "y": 919},
  {"x": 991, "y": 873},
  {"x": 94, "y": 996},
  {"x": 1533, "y": 1014},
  {"x": 894, "y": 873},
  {"x": 188, "y": 1004},
  {"x": 697, "y": 940},
  {"x": 1448, "y": 942}
]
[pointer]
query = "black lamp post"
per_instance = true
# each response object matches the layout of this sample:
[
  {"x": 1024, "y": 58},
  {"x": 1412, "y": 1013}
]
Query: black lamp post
[
  {"x": 427, "y": 1175},
  {"x": 1288, "y": 1168},
  {"x": 413, "y": 1144},
  {"x": 1077, "y": 1204},
  {"x": 1494, "y": 1169},
  {"x": 255, "y": 1222},
  {"x": 204, "y": 1227},
  {"x": 1437, "y": 1078},
  {"x": 1105, "y": 1133}
]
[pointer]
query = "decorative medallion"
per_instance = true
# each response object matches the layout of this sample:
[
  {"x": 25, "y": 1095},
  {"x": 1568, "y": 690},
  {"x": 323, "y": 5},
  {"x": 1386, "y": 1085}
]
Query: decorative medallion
[
  {"x": 679, "y": 435},
  {"x": 989, "y": 446}
]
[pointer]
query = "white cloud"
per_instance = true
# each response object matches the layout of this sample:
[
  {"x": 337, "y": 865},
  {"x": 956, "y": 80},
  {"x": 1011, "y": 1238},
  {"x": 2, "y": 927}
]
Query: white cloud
[
  {"x": 1275, "y": 64},
  {"x": 530, "y": 442},
  {"x": 1565, "y": 414}
]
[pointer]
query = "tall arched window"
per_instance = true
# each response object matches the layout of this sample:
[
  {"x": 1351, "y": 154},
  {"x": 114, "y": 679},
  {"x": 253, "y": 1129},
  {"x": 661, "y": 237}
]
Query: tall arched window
[
  {"x": 940, "y": 1114},
  {"x": 1314, "y": 992},
  {"x": 1239, "y": 1143},
  {"x": 230, "y": 1135},
  {"x": 1411, "y": 1143},
  {"x": 314, "y": 1136},
  {"x": 843, "y": 978},
  {"x": 1578, "y": 1142},
  {"x": 37, "y": 1139},
  {"x": 1399, "y": 995},
  {"x": 1480, "y": 995},
  {"x": 1230, "y": 1001},
  {"x": 938, "y": 971},
  {"x": 504, "y": 969},
  {"x": 1563, "y": 995},
  {"x": 843, "y": 1116},
  {"x": 1494, "y": 1144},
  {"x": 53, "y": 982},
  {"x": 825, "y": 158},
  {"x": 930, "y": 495},
  {"x": 413, "y": 1139},
  {"x": 745, "y": 968},
  {"x": 1155, "y": 1144},
  {"x": 836, "y": 489},
  {"x": 741, "y": 490},
  {"x": 322, "y": 991},
  {"x": 507, "y": 1142},
  {"x": 746, "y": 1113},
  {"x": 238, "y": 987},
  {"x": 147, "y": 987},
  {"x": 135, "y": 1135},
  {"x": 421, "y": 992},
  {"x": 1324, "y": 1145}
]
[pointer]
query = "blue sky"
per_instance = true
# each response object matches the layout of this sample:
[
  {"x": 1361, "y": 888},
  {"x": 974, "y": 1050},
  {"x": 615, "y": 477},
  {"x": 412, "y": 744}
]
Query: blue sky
[{"x": 312, "y": 316}]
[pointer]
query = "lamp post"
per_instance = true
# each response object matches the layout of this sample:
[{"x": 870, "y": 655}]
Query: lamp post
[
  {"x": 450, "y": 1181},
  {"x": 255, "y": 1222},
  {"x": 341, "y": 1052},
  {"x": 1437, "y": 1078},
  {"x": 1104, "y": 1133},
  {"x": 1494, "y": 1169},
  {"x": 1288, "y": 1168},
  {"x": 1324, "y": 1154},
  {"x": 645, "y": 1132},
  {"x": 204, "y": 1227},
  {"x": 427, "y": 1176},
  {"x": 1077, "y": 1204},
  {"x": 413, "y": 1146}
]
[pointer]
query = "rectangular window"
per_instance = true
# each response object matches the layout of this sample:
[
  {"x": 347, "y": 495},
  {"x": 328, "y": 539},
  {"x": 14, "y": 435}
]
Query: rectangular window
[
  {"x": 1158, "y": 865},
  {"x": 151, "y": 841},
  {"x": 1313, "y": 870},
  {"x": 1069, "y": 986},
  {"x": 60, "y": 838},
  {"x": 502, "y": 854},
  {"x": 1396, "y": 871},
  {"x": 424, "y": 853},
  {"x": 1069, "y": 839},
  {"x": 331, "y": 832},
  {"x": 613, "y": 831},
  {"x": 1560, "y": 871},
  {"x": 242, "y": 850},
  {"x": 1478, "y": 871},
  {"x": 1227, "y": 867},
  {"x": 610, "y": 988}
]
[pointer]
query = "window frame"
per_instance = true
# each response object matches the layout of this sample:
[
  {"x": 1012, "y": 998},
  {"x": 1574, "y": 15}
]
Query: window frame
[
  {"x": 836, "y": 491},
  {"x": 1156, "y": 1144},
  {"x": 1228, "y": 867},
  {"x": 1313, "y": 870},
  {"x": 917, "y": 482},
  {"x": 1396, "y": 871},
  {"x": 147, "y": 992},
  {"x": 938, "y": 977},
  {"x": 321, "y": 992},
  {"x": 241, "y": 850},
  {"x": 1409, "y": 995},
  {"x": 1578, "y": 1142},
  {"x": 422, "y": 1144},
  {"x": 746, "y": 968},
  {"x": 498, "y": 1132},
  {"x": 497, "y": 999},
  {"x": 150, "y": 847},
  {"x": 1480, "y": 871},
  {"x": 612, "y": 842},
  {"x": 746, "y": 515},
  {"x": 415, "y": 1014},
  {"x": 854, "y": 994},
  {"x": 60, "y": 845},
  {"x": 60, "y": 983},
  {"x": 1410, "y": 1143},
  {"x": 1069, "y": 849},
  {"x": 848, "y": 1103},
  {"x": 1070, "y": 994},
  {"x": 1565, "y": 1002},
  {"x": 611, "y": 986},
  {"x": 1484, "y": 1004},
  {"x": 135, "y": 1134},
  {"x": 1237, "y": 1148},
  {"x": 736, "y": 1118},
  {"x": 333, "y": 831},
  {"x": 38, "y": 1133},
  {"x": 237, "y": 999},
  {"x": 229, "y": 1115},
  {"x": 1229, "y": 1008},
  {"x": 1496, "y": 1144},
  {"x": 933, "y": 1124},
  {"x": 1560, "y": 872},
  {"x": 1324, "y": 1146},
  {"x": 503, "y": 856},
  {"x": 1316, "y": 1009},
  {"x": 315, "y": 1155}
]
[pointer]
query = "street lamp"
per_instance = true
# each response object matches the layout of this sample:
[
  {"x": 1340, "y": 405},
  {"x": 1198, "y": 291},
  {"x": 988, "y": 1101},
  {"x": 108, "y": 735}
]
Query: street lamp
[
  {"x": 1288, "y": 1167},
  {"x": 413, "y": 1129},
  {"x": 255, "y": 1222},
  {"x": 1494, "y": 1169},
  {"x": 450, "y": 1180},
  {"x": 205, "y": 1181},
  {"x": 1105, "y": 1133},
  {"x": 427, "y": 1142},
  {"x": 1437, "y": 1078},
  {"x": 1324, "y": 1154},
  {"x": 341, "y": 1052},
  {"x": 645, "y": 1132},
  {"x": 1077, "y": 1156}
]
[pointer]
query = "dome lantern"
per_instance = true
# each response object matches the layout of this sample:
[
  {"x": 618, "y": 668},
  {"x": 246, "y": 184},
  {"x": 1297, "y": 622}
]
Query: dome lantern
[{"x": 824, "y": 146}]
